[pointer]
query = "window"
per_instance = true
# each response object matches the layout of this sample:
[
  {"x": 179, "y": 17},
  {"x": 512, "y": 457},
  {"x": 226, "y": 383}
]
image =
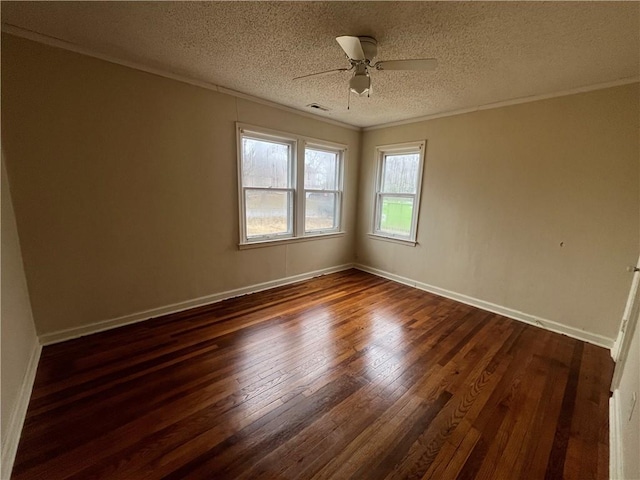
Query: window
[
  {"x": 322, "y": 171},
  {"x": 290, "y": 187},
  {"x": 397, "y": 201},
  {"x": 267, "y": 180}
]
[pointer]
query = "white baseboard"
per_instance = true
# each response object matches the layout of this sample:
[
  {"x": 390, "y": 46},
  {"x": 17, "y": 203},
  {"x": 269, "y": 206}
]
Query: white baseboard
[
  {"x": 19, "y": 413},
  {"x": 76, "y": 332},
  {"x": 588, "y": 337},
  {"x": 615, "y": 446}
]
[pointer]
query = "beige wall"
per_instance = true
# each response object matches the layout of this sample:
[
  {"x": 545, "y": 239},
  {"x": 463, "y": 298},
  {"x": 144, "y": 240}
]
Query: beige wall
[
  {"x": 504, "y": 187},
  {"x": 19, "y": 341},
  {"x": 124, "y": 185},
  {"x": 125, "y": 191}
]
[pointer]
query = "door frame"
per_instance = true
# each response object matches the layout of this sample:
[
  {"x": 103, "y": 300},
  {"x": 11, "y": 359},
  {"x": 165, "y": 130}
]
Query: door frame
[{"x": 628, "y": 325}]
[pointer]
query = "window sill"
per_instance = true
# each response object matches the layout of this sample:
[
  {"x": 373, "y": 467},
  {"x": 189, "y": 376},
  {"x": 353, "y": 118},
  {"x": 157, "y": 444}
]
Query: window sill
[
  {"x": 285, "y": 241},
  {"x": 401, "y": 241}
]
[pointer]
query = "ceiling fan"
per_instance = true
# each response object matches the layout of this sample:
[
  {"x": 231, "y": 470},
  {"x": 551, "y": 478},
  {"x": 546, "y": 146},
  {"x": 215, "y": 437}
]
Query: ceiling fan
[{"x": 361, "y": 51}]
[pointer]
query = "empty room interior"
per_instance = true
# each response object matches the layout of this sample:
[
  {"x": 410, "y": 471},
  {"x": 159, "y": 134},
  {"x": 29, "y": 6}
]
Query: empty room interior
[{"x": 307, "y": 240}]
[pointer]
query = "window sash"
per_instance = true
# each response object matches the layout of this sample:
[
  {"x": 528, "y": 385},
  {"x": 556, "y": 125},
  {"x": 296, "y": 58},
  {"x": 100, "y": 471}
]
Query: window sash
[
  {"x": 336, "y": 180},
  {"x": 379, "y": 207},
  {"x": 383, "y": 171},
  {"x": 290, "y": 213},
  {"x": 337, "y": 210},
  {"x": 291, "y": 144}
]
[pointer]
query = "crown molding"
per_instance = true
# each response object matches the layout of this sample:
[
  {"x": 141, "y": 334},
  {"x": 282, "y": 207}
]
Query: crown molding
[
  {"x": 72, "y": 47},
  {"x": 65, "y": 45},
  {"x": 506, "y": 103}
]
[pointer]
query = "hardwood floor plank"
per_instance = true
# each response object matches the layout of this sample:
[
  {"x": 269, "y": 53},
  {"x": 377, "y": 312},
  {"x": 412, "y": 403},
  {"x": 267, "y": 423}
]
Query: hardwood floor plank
[
  {"x": 536, "y": 448},
  {"x": 342, "y": 376},
  {"x": 459, "y": 457},
  {"x": 582, "y": 451},
  {"x": 509, "y": 444},
  {"x": 557, "y": 457}
]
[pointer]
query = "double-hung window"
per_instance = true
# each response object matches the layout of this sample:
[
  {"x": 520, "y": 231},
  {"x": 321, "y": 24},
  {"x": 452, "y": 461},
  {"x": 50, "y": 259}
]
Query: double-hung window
[
  {"x": 398, "y": 184},
  {"x": 268, "y": 173},
  {"x": 322, "y": 189},
  {"x": 290, "y": 187}
]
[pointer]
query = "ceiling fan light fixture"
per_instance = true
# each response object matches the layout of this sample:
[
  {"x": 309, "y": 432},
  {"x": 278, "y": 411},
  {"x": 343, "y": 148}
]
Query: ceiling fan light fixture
[{"x": 360, "y": 84}]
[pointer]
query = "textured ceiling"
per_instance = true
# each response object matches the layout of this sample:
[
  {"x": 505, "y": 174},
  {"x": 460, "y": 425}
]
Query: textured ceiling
[{"x": 487, "y": 52}]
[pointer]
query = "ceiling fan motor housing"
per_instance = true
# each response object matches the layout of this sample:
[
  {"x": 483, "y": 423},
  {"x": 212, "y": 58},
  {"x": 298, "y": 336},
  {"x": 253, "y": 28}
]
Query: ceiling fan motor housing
[{"x": 369, "y": 46}]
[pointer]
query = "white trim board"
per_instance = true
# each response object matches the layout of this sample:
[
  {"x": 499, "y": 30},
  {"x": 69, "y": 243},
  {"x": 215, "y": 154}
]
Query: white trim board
[
  {"x": 550, "y": 325},
  {"x": 615, "y": 442},
  {"x": 81, "y": 331},
  {"x": 628, "y": 324},
  {"x": 19, "y": 413}
]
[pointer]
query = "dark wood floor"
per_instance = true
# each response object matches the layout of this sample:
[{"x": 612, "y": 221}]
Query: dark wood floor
[{"x": 344, "y": 376}]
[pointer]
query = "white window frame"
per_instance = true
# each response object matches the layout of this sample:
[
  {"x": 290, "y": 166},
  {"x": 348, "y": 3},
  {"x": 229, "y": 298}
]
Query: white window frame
[
  {"x": 338, "y": 192},
  {"x": 381, "y": 153},
  {"x": 298, "y": 145}
]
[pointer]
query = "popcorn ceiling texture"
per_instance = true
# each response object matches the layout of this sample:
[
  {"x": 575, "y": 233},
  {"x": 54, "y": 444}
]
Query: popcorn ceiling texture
[{"x": 487, "y": 52}]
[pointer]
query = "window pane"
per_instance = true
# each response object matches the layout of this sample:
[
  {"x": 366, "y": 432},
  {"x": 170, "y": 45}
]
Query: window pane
[
  {"x": 400, "y": 173},
  {"x": 268, "y": 212},
  {"x": 396, "y": 215},
  {"x": 321, "y": 211},
  {"x": 320, "y": 169},
  {"x": 265, "y": 164}
]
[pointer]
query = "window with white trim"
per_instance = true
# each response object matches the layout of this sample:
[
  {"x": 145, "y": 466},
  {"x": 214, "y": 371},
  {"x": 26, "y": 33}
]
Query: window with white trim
[
  {"x": 322, "y": 189},
  {"x": 398, "y": 184},
  {"x": 267, "y": 185},
  {"x": 290, "y": 187}
]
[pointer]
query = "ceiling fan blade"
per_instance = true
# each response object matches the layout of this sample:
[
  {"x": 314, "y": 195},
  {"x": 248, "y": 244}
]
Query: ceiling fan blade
[
  {"x": 352, "y": 47},
  {"x": 414, "y": 64},
  {"x": 326, "y": 72}
]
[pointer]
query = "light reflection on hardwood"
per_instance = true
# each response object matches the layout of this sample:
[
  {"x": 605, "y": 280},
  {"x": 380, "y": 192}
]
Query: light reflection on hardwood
[{"x": 343, "y": 376}]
